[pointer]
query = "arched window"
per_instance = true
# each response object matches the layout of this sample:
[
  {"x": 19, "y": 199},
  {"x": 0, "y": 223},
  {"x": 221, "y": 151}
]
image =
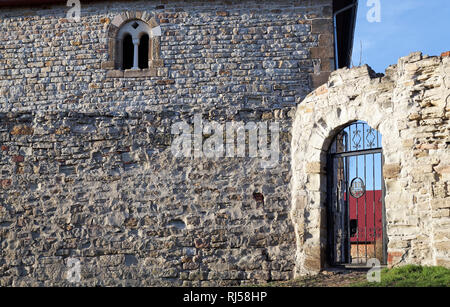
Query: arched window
[
  {"x": 133, "y": 38},
  {"x": 134, "y": 46}
]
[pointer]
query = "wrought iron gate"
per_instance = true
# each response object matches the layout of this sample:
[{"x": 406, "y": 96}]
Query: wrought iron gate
[{"x": 356, "y": 222}]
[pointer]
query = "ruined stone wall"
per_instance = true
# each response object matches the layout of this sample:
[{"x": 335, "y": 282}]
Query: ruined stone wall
[
  {"x": 86, "y": 167},
  {"x": 410, "y": 107}
]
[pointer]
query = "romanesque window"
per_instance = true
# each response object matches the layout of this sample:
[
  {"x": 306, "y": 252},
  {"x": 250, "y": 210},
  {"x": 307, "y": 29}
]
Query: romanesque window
[
  {"x": 134, "y": 46},
  {"x": 133, "y": 43}
]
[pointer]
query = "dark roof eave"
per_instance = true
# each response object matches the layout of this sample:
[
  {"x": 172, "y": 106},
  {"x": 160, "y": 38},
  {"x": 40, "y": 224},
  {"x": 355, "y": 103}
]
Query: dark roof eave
[
  {"x": 345, "y": 27},
  {"x": 13, "y": 3}
]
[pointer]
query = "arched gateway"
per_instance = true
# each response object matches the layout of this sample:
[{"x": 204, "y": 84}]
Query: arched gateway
[{"x": 355, "y": 197}]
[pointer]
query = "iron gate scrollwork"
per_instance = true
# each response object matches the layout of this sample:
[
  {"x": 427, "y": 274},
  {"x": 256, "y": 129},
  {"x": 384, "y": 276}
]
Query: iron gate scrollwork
[{"x": 355, "y": 221}]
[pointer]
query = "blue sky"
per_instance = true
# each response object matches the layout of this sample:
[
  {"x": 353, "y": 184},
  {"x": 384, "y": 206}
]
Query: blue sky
[{"x": 406, "y": 26}]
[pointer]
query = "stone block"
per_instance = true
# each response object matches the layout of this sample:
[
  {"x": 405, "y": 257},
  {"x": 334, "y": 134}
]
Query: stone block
[
  {"x": 315, "y": 168},
  {"x": 391, "y": 171},
  {"x": 440, "y": 203},
  {"x": 140, "y": 73},
  {"x": 22, "y": 130},
  {"x": 441, "y": 261},
  {"x": 319, "y": 79},
  {"x": 442, "y": 246},
  {"x": 107, "y": 65},
  {"x": 321, "y": 53},
  {"x": 114, "y": 74},
  {"x": 319, "y": 26}
]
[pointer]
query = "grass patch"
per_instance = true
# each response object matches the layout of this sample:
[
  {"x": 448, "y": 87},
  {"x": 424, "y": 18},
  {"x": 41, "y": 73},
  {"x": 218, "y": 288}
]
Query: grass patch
[{"x": 411, "y": 276}]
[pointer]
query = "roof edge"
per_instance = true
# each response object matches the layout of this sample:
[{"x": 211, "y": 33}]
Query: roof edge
[{"x": 345, "y": 25}]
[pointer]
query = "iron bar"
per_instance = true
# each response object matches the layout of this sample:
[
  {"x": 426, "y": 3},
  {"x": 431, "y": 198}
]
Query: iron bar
[{"x": 357, "y": 152}]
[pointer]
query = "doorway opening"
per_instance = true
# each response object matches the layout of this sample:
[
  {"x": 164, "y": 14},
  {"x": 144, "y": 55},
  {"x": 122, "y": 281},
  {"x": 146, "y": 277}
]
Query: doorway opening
[{"x": 355, "y": 197}]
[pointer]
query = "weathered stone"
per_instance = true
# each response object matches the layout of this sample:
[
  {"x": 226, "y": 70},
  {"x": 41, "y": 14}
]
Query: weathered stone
[
  {"x": 315, "y": 168},
  {"x": 87, "y": 166},
  {"x": 22, "y": 130},
  {"x": 415, "y": 153},
  {"x": 391, "y": 171}
]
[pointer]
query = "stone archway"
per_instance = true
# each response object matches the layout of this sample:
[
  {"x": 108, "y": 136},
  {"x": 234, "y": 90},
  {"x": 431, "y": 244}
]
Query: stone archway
[
  {"x": 409, "y": 107},
  {"x": 318, "y": 119}
]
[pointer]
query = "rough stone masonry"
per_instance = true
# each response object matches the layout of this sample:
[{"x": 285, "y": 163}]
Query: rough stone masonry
[
  {"x": 410, "y": 107},
  {"x": 86, "y": 167}
]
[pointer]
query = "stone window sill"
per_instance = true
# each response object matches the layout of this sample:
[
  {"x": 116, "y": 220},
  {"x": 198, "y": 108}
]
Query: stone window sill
[
  {"x": 131, "y": 73},
  {"x": 156, "y": 69}
]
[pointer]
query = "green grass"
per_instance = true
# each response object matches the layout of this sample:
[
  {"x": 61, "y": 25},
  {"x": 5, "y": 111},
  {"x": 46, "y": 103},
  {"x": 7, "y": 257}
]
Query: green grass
[{"x": 411, "y": 276}]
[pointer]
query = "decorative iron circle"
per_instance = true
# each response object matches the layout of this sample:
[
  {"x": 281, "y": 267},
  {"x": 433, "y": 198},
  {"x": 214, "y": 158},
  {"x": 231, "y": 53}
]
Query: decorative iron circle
[{"x": 357, "y": 188}]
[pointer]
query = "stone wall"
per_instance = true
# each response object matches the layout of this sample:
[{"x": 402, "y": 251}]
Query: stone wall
[
  {"x": 410, "y": 107},
  {"x": 107, "y": 190},
  {"x": 245, "y": 55},
  {"x": 86, "y": 167},
  {"x": 87, "y": 171}
]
